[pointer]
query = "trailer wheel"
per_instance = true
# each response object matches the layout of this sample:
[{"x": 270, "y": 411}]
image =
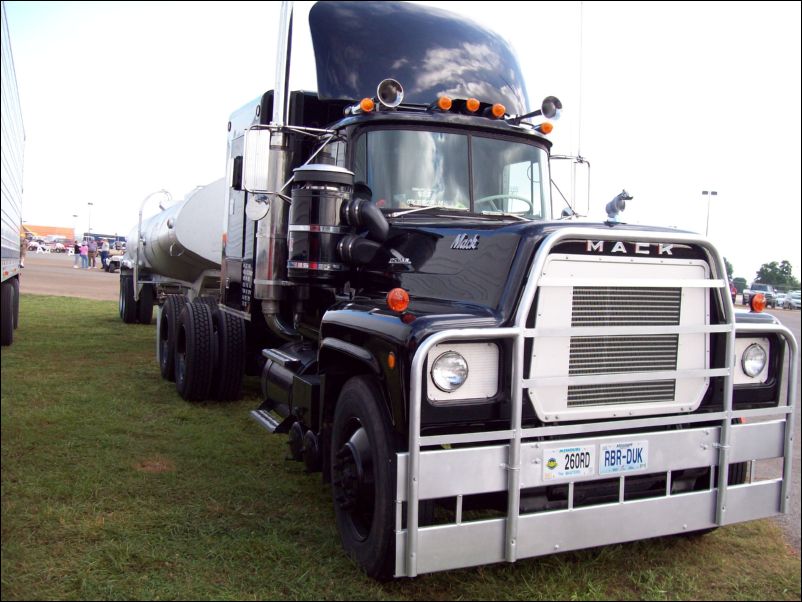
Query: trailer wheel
[
  {"x": 15, "y": 284},
  {"x": 363, "y": 472},
  {"x": 229, "y": 367},
  {"x": 194, "y": 354},
  {"x": 144, "y": 307},
  {"x": 6, "y": 313},
  {"x": 127, "y": 303},
  {"x": 168, "y": 332}
]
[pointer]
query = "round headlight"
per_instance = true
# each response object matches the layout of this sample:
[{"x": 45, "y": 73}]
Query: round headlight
[
  {"x": 449, "y": 371},
  {"x": 753, "y": 360}
]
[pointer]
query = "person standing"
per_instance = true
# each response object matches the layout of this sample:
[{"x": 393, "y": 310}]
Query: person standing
[
  {"x": 76, "y": 254},
  {"x": 23, "y": 249},
  {"x": 104, "y": 254},
  {"x": 92, "y": 254},
  {"x": 84, "y": 251}
]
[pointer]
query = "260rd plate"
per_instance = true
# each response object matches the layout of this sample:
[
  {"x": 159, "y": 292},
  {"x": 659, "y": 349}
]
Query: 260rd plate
[
  {"x": 616, "y": 458},
  {"x": 569, "y": 462}
]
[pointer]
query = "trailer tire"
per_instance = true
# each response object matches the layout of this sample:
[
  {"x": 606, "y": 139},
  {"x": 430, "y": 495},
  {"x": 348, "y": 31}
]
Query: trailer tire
[
  {"x": 6, "y": 313},
  {"x": 363, "y": 471},
  {"x": 144, "y": 307},
  {"x": 229, "y": 369},
  {"x": 194, "y": 353},
  {"x": 15, "y": 285},
  {"x": 128, "y": 312},
  {"x": 167, "y": 333}
]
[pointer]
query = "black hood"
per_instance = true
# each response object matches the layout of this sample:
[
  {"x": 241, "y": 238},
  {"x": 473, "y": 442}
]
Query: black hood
[{"x": 429, "y": 51}]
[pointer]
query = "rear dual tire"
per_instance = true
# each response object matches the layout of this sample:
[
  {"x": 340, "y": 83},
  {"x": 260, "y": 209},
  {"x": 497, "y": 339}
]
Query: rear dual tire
[
  {"x": 131, "y": 310},
  {"x": 209, "y": 351}
]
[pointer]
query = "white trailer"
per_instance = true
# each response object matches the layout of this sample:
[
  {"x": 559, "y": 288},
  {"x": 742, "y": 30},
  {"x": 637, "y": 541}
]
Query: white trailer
[{"x": 13, "y": 142}]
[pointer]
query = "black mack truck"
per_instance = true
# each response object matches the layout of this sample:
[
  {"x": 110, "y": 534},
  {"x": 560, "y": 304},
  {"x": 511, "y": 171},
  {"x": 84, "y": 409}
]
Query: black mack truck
[{"x": 477, "y": 379}]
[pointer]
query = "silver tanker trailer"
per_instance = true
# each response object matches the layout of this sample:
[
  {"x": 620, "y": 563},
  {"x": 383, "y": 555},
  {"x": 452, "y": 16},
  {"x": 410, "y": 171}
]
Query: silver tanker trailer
[{"x": 175, "y": 251}]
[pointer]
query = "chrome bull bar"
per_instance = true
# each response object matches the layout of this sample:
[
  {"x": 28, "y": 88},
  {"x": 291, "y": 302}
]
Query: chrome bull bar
[{"x": 495, "y": 468}]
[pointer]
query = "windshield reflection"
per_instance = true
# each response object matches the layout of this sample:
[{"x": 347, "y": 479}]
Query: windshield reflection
[{"x": 409, "y": 169}]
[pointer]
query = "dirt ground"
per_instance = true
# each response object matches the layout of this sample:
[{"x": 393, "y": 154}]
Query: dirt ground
[{"x": 53, "y": 274}]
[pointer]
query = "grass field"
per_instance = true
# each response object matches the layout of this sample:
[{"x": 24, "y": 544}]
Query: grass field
[{"x": 115, "y": 488}]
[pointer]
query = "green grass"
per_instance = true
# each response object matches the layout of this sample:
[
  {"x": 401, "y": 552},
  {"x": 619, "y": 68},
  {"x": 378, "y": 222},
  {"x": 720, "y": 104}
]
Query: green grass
[{"x": 115, "y": 488}]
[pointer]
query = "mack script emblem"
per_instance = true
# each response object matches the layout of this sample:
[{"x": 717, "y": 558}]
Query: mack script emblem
[
  {"x": 638, "y": 248},
  {"x": 465, "y": 242}
]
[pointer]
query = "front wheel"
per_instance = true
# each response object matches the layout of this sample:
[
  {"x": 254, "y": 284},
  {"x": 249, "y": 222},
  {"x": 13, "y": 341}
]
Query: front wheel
[{"x": 363, "y": 471}]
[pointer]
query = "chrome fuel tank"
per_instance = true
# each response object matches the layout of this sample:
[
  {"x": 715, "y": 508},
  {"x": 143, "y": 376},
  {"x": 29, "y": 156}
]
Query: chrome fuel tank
[{"x": 184, "y": 240}]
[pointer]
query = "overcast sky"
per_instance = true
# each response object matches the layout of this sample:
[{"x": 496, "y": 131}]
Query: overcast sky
[{"x": 664, "y": 99}]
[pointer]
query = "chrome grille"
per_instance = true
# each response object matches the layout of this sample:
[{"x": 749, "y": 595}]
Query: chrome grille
[
  {"x": 625, "y": 306},
  {"x": 599, "y": 395},
  {"x": 607, "y": 355}
]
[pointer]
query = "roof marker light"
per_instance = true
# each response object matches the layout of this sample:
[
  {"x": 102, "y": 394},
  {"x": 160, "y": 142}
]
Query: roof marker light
[
  {"x": 545, "y": 127},
  {"x": 472, "y": 105},
  {"x": 367, "y": 105},
  {"x": 498, "y": 110},
  {"x": 444, "y": 103},
  {"x": 757, "y": 303}
]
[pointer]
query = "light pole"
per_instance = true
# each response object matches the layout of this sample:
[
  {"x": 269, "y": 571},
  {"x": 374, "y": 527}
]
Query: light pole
[
  {"x": 708, "y": 195},
  {"x": 74, "y": 225},
  {"x": 89, "y": 220}
]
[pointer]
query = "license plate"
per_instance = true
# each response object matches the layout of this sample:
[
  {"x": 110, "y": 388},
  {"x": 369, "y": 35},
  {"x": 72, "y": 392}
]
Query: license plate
[
  {"x": 617, "y": 458},
  {"x": 569, "y": 462}
]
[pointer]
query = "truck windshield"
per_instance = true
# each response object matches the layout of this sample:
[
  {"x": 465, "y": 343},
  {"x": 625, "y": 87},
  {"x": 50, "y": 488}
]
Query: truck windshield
[{"x": 407, "y": 169}]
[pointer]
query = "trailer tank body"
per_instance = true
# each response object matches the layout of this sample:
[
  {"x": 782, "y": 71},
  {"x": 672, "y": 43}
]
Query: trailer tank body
[{"x": 185, "y": 239}]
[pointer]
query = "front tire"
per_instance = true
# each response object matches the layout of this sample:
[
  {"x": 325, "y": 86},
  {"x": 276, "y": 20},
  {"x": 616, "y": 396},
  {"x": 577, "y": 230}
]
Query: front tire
[{"x": 363, "y": 471}]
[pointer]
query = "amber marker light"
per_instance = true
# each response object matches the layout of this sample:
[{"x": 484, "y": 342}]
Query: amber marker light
[
  {"x": 398, "y": 299},
  {"x": 391, "y": 360},
  {"x": 757, "y": 303},
  {"x": 367, "y": 105},
  {"x": 472, "y": 105},
  {"x": 444, "y": 103},
  {"x": 545, "y": 127},
  {"x": 498, "y": 110}
]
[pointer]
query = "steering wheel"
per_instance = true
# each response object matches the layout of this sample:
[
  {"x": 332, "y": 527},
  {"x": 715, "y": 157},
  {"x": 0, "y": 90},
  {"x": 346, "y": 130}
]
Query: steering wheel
[{"x": 494, "y": 197}]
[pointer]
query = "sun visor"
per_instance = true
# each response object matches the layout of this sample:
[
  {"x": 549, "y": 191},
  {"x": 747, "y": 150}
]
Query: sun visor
[{"x": 430, "y": 51}]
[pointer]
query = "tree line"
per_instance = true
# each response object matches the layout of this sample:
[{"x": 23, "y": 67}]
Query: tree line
[{"x": 778, "y": 274}]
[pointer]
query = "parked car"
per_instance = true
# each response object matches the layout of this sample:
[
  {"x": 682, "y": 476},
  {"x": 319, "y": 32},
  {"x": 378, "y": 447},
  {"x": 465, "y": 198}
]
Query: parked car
[
  {"x": 758, "y": 287},
  {"x": 792, "y": 300},
  {"x": 779, "y": 299}
]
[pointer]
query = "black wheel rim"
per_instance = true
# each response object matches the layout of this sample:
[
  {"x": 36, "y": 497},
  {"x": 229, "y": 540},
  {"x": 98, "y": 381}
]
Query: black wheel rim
[{"x": 354, "y": 480}]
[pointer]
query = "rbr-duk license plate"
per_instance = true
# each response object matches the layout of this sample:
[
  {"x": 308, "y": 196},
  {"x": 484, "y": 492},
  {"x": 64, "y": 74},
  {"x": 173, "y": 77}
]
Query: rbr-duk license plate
[{"x": 570, "y": 462}]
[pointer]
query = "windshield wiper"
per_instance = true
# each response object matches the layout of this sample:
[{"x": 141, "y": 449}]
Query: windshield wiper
[
  {"x": 425, "y": 208},
  {"x": 505, "y": 214}
]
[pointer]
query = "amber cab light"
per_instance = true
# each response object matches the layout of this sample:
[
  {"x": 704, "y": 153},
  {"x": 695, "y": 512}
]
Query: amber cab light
[
  {"x": 367, "y": 105},
  {"x": 398, "y": 299},
  {"x": 758, "y": 302},
  {"x": 444, "y": 103},
  {"x": 545, "y": 127},
  {"x": 498, "y": 110},
  {"x": 472, "y": 105}
]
